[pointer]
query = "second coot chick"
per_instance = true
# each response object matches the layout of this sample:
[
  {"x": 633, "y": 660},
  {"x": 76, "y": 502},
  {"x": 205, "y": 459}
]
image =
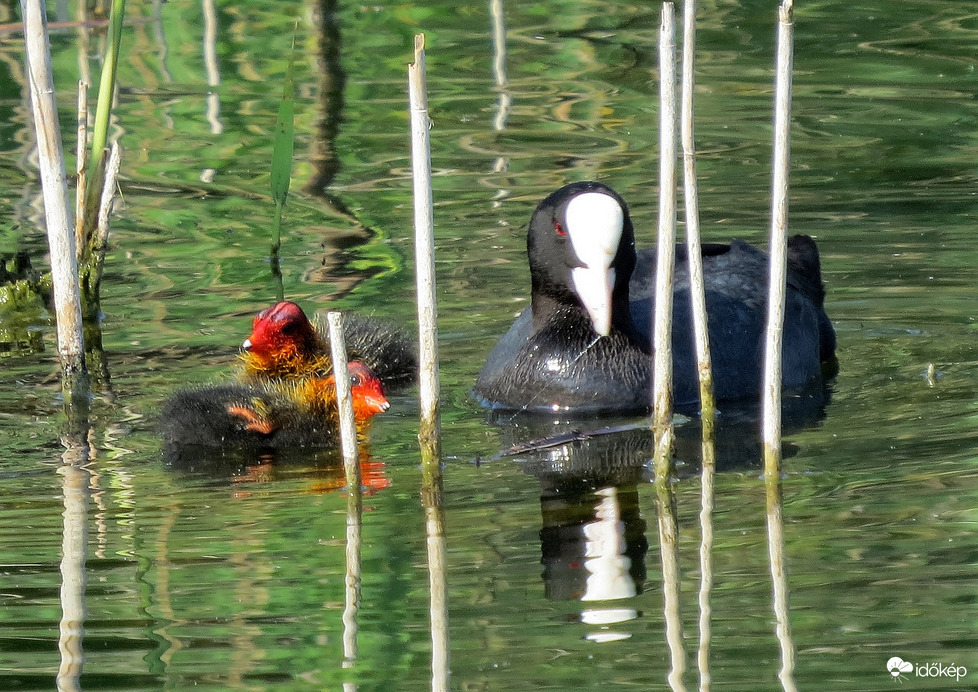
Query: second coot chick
[
  {"x": 284, "y": 344},
  {"x": 269, "y": 416}
]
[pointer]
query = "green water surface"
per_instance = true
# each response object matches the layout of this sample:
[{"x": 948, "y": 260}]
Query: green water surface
[{"x": 232, "y": 577}]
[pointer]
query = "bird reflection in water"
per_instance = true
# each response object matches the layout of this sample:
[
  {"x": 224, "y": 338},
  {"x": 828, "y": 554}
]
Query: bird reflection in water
[
  {"x": 592, "y": 540},
  {"x": 593, "y": 548},
  {"x": 593, "y": 536}
]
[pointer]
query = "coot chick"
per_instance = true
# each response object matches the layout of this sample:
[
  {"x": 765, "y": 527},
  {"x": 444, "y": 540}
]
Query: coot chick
[
  {"x": 284, "y": 344},
  {"x": 302, "y": 413},
  {"x": 584, "y": 343}
]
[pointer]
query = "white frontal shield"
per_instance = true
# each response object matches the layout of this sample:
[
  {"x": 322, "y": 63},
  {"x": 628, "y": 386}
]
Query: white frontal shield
[{"x": 594, "y": 225}]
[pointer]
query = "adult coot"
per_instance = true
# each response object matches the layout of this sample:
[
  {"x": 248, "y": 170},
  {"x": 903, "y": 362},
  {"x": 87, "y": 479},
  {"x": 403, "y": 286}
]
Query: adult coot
[
  {"x": 284, "y": 344},
  {"x": 584, "y": 345},
  {"x": 302, "y": 413}
]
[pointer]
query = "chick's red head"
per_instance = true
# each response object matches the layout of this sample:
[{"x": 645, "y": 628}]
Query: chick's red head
[
  {"x": 282, "y": 330},
  {"x": 368, "y": 392}
]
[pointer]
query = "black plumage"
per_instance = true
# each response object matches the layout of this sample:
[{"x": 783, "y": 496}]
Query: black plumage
[{"x": 554, "y": 358}]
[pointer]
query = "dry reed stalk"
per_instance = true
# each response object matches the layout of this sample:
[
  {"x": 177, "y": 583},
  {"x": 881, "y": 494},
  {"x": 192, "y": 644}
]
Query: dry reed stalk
[
  {"x": 344, "y": 399},
  {"x": 666, "y": 247},
  {"x": 61, "y": 239},
  {"x": 778, "y": 244},
  {"x": 424, "y": 251},
  {"x": 772, "y": 362},
  {"x": 81, "y": 171}
]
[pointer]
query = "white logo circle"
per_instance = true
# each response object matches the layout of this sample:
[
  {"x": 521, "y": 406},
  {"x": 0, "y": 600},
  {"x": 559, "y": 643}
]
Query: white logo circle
[{"x": 897, "y": 665}]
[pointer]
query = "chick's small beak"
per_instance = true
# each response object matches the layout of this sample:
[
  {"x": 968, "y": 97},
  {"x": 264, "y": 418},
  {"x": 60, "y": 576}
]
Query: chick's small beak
[
  {"x": 376, "y": 404},
  {"x": 246, "y": 345}
]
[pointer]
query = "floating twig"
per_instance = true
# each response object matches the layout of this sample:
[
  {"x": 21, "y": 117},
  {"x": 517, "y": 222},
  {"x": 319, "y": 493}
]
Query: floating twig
[{"x": 560, "y": 439}]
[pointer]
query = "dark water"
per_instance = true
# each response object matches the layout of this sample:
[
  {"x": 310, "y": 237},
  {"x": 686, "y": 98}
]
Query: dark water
[{"x": 234, "y": 578}]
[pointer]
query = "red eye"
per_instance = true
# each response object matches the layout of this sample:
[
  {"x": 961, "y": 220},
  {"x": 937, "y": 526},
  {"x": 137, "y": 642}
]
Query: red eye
[{"x": 559, "y": 229}]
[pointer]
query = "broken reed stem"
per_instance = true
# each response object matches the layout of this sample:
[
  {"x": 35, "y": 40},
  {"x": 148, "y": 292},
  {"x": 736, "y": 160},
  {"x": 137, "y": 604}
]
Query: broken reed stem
[
  {"x": 344, "y": 399},
  {"x": 424, "y": 253},
  {"x": 61, "y": 239},
  {"x": 81, "y": 168},
  {"x": 666, "y": 248},
  {"x": 105, "y": 203},
  {"x": 777, "y": 247},
  {"x": 100, "y": 239}
]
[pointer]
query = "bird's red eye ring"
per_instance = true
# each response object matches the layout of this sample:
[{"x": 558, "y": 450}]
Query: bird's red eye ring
[{"x": 559, "y": 229}]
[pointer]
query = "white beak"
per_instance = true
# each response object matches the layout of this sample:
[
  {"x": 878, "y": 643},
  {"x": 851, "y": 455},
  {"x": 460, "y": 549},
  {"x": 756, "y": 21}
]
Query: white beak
[{"x": 594, "y": 225}]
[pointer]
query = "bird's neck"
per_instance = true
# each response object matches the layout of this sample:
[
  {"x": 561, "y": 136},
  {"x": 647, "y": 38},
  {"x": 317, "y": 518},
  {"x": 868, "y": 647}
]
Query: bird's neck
[
  {"x": 545, "y": 307},
  {"x": 286, "y": 362}
]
